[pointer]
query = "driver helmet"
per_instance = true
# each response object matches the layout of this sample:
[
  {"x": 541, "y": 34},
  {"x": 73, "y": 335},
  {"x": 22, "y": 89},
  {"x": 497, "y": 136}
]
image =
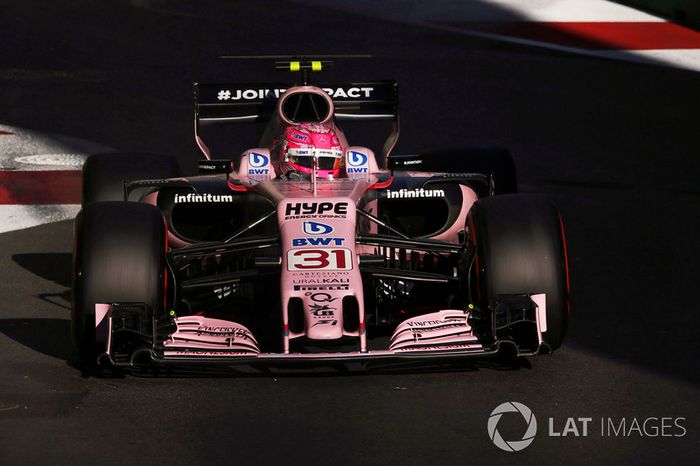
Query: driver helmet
[{"x": 302, "y": 142}]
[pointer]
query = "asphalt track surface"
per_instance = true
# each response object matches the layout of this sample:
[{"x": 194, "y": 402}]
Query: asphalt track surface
[{"x": 614, "y": 143}]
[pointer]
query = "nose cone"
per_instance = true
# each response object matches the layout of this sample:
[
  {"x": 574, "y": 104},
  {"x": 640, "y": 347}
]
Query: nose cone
[{"x": 324, "y": 316}]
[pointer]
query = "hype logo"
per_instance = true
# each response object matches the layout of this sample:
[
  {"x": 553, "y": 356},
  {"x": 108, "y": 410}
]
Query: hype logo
[{"x": 316, "y": 228}]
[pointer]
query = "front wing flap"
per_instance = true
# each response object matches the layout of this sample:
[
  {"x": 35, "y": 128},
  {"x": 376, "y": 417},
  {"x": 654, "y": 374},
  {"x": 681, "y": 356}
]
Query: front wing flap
[{"x": 515, "y": 321}]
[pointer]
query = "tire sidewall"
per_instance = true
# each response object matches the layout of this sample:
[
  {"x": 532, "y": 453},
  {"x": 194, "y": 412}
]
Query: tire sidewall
[
  {"x": 490, "y": 161},
  {"x": 118, "y": 257},
  {"x": 104, "y": 174},
  {"x": 521, "y": 249}
]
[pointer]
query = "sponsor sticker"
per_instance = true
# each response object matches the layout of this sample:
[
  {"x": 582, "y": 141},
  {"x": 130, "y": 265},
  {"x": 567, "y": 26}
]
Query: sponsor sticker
[
  {"x": 259, "y": 164},
  {"x": 321, "y": 287},
  {"x": 258, "y": 160},
  {"x": 263, "y": 94},
  {"x": 223, "y": 331},
  {"x": 350, "y": 93},
  {"x": 357, "y": 162},
  {"x": 202, "y": 198},
  {"x": 296, "y": 242},
  {"x": 194, "y": 352},
  {"x": 301, "y": 210},
  {"x": 404, "y": 193},
  {"x": 319, "y": 259},
  {"x": 321, "y": 309},
  {"x": 317, "y": 228},
  {"x": 249, "y": 94},
  {"x": 356, "y": 159},
  {"x": 321, "y": 297},
  {"x": 321, "y": 281}
]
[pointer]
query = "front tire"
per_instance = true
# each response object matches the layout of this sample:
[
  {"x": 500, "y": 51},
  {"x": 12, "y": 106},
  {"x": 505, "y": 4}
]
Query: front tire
[
  {"x": 491, "y": 161},
  {"x": 521, "y": 249},
  {"x": 104, "y": 174},
  {"x": 118, "y": 257}
]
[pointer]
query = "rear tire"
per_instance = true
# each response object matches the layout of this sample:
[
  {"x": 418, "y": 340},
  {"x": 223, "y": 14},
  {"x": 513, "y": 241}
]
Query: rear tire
[
  {"x": 118, "y": 257},
  {"x": 493, "y": 161},
  {"x": 104, "y": 174},
  {"x": 521, "y": 249}
]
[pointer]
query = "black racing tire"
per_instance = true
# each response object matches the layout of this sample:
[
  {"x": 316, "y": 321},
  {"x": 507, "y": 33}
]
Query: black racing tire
[
  {"x": 521, "y": 249},
  {"x": 104, "y": 174},
  {"x": 119, "y": 256},
  {"x": 487, "y": 160}
]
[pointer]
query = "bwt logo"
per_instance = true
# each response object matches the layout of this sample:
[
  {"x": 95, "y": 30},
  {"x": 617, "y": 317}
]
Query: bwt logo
[
  {"x": 317, "y": 228},
  {"x": 317, "y": 242},
  {"x": 258, "y": 160},
  {"x": 512, "y": 445},
  {"x": 357, "y": 162},
  {"x": 259, "y": 164},
  {"x": 356, "y": 159}
]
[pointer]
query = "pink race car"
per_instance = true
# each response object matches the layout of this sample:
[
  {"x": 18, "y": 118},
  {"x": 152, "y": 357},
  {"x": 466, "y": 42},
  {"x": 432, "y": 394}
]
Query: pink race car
[{"x": 310, "y": 248}]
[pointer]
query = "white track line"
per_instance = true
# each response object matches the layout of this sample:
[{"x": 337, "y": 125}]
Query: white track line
[
  {"x": 490, "y": 10},
  {"x": 28, "y": 150},
  {"x": 435, "y": 13},
  {"x": 18, "y": 217},
  {"x": 25, "y": 149}
]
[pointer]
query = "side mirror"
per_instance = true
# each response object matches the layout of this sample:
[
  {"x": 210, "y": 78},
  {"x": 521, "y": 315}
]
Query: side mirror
[
  {"x": 215, "y": 166},
  {"x": 405, "y": 162}
]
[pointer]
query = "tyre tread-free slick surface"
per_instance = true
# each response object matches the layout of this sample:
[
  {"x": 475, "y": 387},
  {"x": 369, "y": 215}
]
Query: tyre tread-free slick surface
[
  {"x": 104, "y": 174},
  {"x": 521, "y": 249},
  {"x": 118, "y": 256}
]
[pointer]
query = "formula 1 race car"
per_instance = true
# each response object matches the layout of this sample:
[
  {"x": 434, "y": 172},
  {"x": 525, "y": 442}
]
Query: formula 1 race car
[{"x": 307, "y": 248}]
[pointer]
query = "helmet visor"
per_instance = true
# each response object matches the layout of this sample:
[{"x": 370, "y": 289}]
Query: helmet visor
[{"x": 328, "y": 159}]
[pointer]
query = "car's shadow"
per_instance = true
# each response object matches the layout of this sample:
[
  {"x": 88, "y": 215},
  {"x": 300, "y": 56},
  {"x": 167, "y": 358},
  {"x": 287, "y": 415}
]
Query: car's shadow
[
  {"x": 50, "y": 336},
  {"x": 52, "y": 266},
  {"x": 47, "y": 336},
  {"x": 55, "y": 267}
]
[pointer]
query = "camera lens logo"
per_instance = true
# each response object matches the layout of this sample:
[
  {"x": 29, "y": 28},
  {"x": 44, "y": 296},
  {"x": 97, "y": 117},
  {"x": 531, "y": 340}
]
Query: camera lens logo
[
  {"x": 512, "y": 445},
  {"x": 356, "y": 159},
  {"x": 258, "y": 160}
]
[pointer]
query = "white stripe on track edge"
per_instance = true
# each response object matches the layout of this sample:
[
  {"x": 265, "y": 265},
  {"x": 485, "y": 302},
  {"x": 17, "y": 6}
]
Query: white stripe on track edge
[
  {"x": 18, "y": 217},
  {"x": 23, "y": 149},
  {"x": 429, "y": 15}
]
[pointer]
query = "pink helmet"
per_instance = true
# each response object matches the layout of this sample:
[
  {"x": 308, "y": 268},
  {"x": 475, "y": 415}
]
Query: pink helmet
[{"x": 303, "y": 141}]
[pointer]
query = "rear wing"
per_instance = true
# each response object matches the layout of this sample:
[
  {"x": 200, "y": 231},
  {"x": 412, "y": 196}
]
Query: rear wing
[{"x": 255, "y": 102}]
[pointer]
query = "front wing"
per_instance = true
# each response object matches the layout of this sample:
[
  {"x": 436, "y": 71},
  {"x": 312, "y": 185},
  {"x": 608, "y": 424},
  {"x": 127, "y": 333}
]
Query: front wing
[{"x": 516, "y": 322}]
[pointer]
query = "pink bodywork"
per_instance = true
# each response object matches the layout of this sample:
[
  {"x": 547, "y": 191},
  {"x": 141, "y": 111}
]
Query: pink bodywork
[
  {"x": 307, "y": 267},
  {"x": 215, "y": 335},
  {"x": 434, "y": 330},
  {"x": 320, "y": 267}
]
